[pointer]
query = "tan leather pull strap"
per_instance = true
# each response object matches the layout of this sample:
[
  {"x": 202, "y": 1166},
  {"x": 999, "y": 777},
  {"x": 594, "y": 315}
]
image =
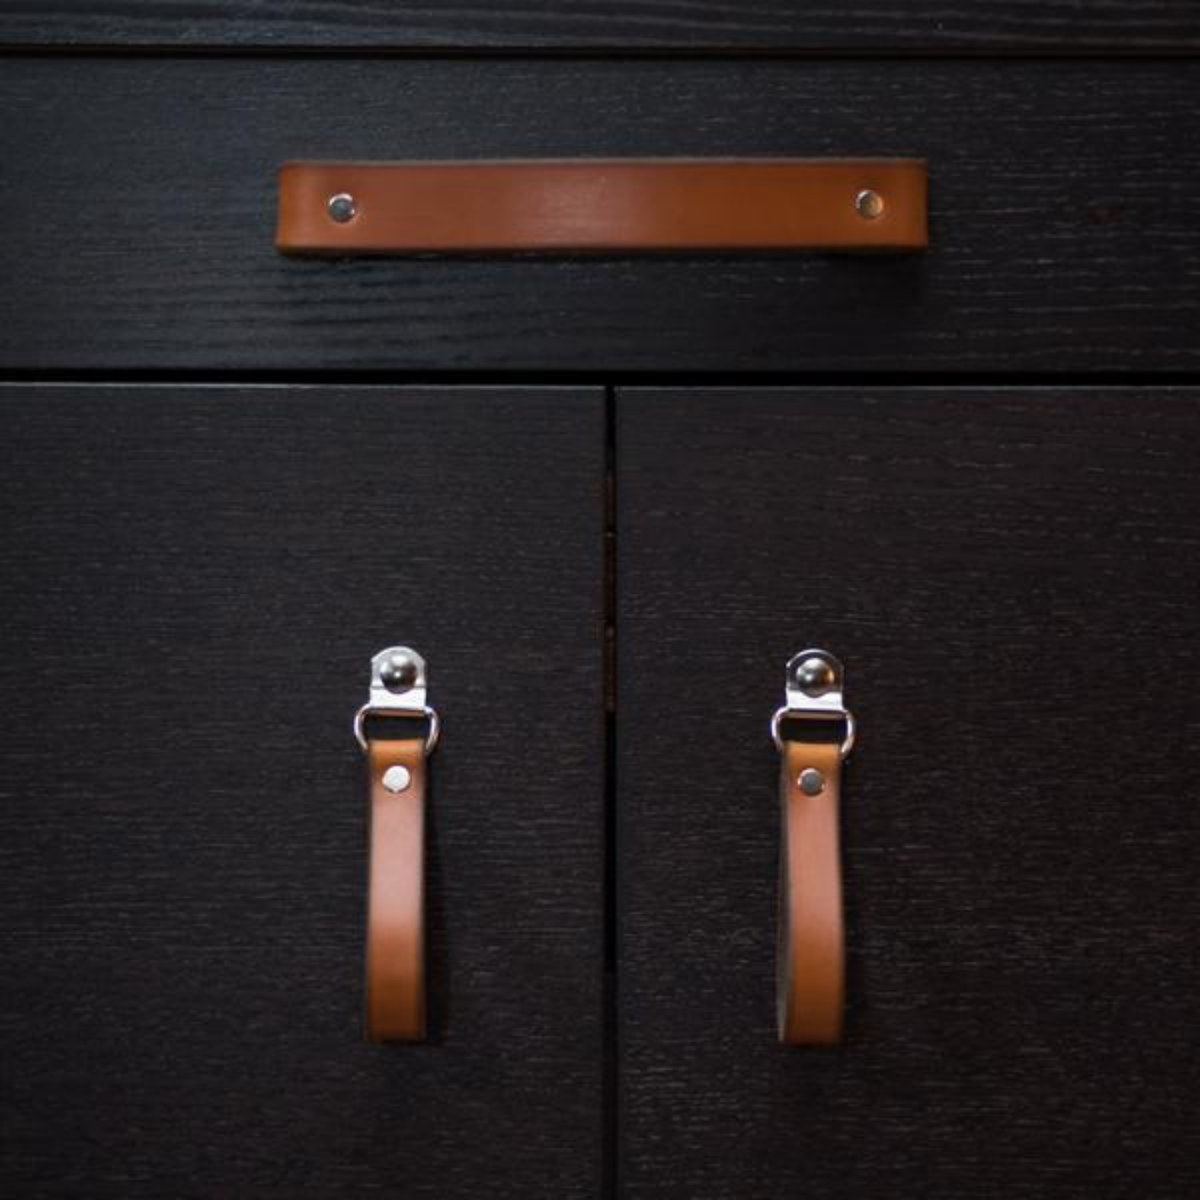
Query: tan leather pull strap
[
  {"x": 602, "y": 205},
  {"x": 396, "y": 891},
  {"x": 811, "y": 950},
  {"x": 396, "y": 767},
  {"x": 810, "y": 965}
]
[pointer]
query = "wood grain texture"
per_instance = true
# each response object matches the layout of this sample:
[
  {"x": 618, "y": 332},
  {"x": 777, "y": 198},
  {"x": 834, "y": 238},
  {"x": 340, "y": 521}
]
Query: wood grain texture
[
  {"x": 1010, "y": 577},
  {"x": 140, "y": 202},
  {"x": 193, "y": 582},
  {"x": 992, "y": 26}
]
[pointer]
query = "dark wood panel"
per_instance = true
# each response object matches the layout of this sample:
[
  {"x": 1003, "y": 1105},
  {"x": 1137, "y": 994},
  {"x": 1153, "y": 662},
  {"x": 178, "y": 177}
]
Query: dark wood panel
[
  {"x": 992, "y": 26},
  {"x": 1011, "y": 579},
  {"x": 193, "y": 582},
  {"x": 139, "y": 210}
]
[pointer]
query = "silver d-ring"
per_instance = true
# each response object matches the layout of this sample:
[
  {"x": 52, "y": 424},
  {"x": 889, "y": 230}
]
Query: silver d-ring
[
  {"x": 776, "y": 721},
  {"x": 431, "y": 738},
  {"x": 847, "y": 742}
]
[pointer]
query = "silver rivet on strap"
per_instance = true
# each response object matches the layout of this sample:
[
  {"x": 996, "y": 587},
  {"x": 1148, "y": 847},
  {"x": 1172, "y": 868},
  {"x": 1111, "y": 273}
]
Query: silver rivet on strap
[
  {"x": 811, "y": 782},
  {"x": 397, "y": 778}
]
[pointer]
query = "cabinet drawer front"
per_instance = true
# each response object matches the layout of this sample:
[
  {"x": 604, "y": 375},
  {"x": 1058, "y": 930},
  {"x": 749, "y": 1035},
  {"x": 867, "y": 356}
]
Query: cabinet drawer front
[
  {"x": 1064, "y": 221},
  {"x": 194, "y": 581},
  {"x": 1010, "y": 577}
]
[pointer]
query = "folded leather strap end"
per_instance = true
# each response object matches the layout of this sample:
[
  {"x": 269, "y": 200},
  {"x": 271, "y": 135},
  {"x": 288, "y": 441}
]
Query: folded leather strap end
[
  {"x": 811, "y": 985},
  {"x": 395, "y": 968}
]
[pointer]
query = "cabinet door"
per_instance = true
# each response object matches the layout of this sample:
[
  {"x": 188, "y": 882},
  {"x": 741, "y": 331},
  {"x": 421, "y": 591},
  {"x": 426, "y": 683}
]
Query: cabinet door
[
  {"x": 1011, "y": 579},
  {"x": 194, "y": 580}
]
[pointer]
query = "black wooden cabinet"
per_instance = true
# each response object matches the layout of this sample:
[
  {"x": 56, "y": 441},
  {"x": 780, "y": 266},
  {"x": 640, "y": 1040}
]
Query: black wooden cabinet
[{"x": 607, "y": 497}]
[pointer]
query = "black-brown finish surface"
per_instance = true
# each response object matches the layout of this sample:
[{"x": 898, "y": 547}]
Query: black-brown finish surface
[
  {"x": 194, "y": 580},
  {"x": 139, "y": 200},
  {"x": 775, "y": 26},
  {"x": 1010, "y": 577}
]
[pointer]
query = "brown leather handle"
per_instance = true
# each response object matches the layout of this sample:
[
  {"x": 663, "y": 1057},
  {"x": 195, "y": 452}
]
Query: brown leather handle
[
  {"x": 811, "y": 951},
  {"x": 396, "y": 891},
  {"x": 602, "y": 205}
]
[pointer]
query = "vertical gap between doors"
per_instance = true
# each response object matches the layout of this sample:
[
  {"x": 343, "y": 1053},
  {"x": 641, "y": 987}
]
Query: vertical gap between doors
[{"x": 610, "y": 1021}]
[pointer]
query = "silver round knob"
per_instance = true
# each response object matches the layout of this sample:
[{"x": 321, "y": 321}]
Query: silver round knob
[
  {"x": 398, "y": 672},
  {"x": 815, "y": 676}
]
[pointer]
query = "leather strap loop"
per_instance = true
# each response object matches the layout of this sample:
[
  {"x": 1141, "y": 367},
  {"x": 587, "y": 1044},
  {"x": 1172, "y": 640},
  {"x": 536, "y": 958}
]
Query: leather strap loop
[
  {"x": 395, "y": 984},
  {"x": 811, "y": 979}
]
